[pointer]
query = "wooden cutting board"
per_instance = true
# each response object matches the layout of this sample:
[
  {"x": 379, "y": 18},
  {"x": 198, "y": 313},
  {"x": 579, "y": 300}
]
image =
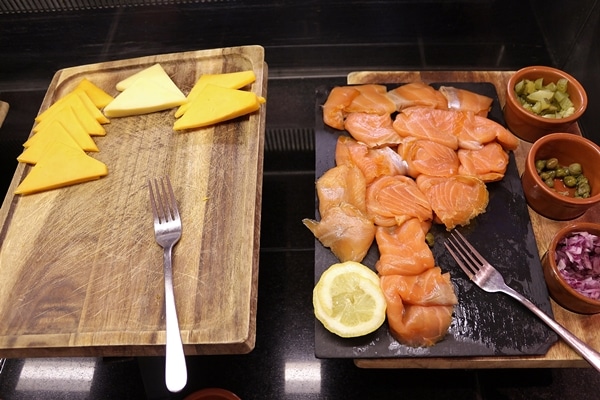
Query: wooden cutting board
[{"x": 80, "y": 270}]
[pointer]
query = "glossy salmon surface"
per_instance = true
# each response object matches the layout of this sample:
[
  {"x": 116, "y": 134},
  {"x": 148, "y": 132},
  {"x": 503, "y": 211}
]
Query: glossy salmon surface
[
  {"x": 334, "y": 108},
  {"x": 465, "y": 100},
  {"x": 372, "y": 99},
  {"x": 373, "y": 163},
  {"x": 403, "y": 250},
  {"x": 392, "y": 200},
  {"x": 417, "y": 94},
  {"x": 345, "y": 230},
  {"x": 455, "y": 200},
  {"x": 374, "y": 130},
  {"x": 488, "y": 163},
  {"x": 428, "y": 158}
]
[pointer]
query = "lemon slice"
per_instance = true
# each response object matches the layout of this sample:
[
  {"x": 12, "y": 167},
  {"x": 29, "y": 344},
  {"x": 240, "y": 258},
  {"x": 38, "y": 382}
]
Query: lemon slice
[{"x": 348, "y": 300}]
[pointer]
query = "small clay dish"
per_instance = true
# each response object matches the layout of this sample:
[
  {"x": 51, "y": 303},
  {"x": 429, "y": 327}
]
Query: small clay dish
[
  {"x": 568, "y": 148},
  {"x": 529, "y": 126},
  {"x": 212, "y": 394},
  {"x": 558, "y": 287}
]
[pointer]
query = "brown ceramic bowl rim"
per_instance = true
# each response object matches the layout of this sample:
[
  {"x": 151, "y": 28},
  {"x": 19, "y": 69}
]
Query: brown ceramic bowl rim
[
  {"x": 211, "y": 393},
  {"x": 530, "y": 160},
  {"x": 512, "y": 97},
  {"x": 566, "y": 230}
]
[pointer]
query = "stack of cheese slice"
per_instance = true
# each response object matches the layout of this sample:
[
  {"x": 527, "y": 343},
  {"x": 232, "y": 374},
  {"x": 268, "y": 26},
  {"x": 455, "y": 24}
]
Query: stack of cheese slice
[
  {"x": 216, "y": 98},
  {"x": 146, "y": 91},
  {"x": 61, "y": 138}
]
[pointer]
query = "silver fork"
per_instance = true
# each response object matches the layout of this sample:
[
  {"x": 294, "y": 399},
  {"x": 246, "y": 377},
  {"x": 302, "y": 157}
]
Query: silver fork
[
  {"x": 167, "y": 230},
  {"x": 480, "y": 271}
]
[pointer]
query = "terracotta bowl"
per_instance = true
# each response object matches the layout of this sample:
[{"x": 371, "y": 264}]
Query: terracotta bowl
[
  {"x": 559, "y": 289},
  {"x": 212, "y": 394},
  {"x": 529, "y": 126},
  {"x": 567, "y": 148}
]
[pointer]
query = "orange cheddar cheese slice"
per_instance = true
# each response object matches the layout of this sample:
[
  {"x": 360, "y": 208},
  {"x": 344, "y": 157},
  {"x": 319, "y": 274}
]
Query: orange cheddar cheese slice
[{"x": 61, "y": 165}]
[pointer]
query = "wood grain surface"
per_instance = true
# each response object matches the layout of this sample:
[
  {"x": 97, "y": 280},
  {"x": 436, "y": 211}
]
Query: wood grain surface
[
  {"x": 80, "y": 270},
  {"x": 584, "y": 326}
]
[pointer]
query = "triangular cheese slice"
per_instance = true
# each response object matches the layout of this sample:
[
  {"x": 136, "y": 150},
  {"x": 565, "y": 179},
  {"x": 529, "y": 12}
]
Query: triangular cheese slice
[
  {"x": 98, "y": 96},
  {"x": 143, "y": 97},
  {"x": 216, "y": 104},
  {"x": 55, "y": 132},
  {"x": 232, "y": 80},
  {"x": 154, "y": 73},
  {"x": 77, "y": 98},
  {"x": 70, "y": 122},
  {"x": 61, "y": 166},
  {"x": 90, "y": 124}
]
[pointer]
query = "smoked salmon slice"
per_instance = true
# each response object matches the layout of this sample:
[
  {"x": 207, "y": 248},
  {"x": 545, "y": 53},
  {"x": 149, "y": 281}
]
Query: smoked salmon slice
[
  {"x": 455, "y": 200},
  {"x": 334, "y": 108},
  {"x": 392, "y": 200},
  {"x": 345, "y": 230},
  {"x": 342, "y": 184},
  {"x": 419, "y": 307},
  {"x": 429, "y": 288},
  {"x": 373, "y": 99},
  {"x": 418, "y": 326},
  {"x": 440, "y": 126},
  {"x": 417, "y": 94},
  {"x": 488, "y": 163},
  {"x": 477, "y": 131},
  {"x": 403, "y": 250},
  {"x": 374, "y": 130},
  {"x": 373, "y": 163},
  {"x": 465, "y": 100},
  {"x": 429, "y": 158}
]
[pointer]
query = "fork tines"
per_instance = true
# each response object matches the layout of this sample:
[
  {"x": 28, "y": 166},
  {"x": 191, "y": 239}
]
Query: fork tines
[
  {"x": 165, "y": 209},
  {"x": 465, "y": 255}
]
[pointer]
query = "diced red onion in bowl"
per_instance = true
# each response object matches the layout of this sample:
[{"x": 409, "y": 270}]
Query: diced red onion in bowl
[{"x": 578, "y": 260}]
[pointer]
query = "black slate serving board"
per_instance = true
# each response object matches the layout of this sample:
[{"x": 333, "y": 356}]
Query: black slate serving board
[{"x": 484, "y": 324}]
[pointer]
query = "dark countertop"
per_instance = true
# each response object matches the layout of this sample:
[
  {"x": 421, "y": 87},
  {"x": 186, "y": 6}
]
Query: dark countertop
[{"x": 301, "y": 56}]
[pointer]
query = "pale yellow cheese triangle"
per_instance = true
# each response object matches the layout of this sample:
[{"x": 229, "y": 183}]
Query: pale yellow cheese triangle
[
  {"x": 155, "y": 73},
  {"x": 232, "y": 80},
  {"x": 70, "y": 122},
  {"x": 142, "y": 97},
  {"x": 55, "y": 132},
  {"x": 216, "y": 104},
  {"x": 98, "y": 96},
  {"x": 62, "y": 165}
]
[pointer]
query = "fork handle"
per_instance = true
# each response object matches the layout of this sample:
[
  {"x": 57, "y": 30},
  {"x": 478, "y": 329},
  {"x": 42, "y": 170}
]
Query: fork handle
[
  {"x": 175, "y": 367},
  {"x": 585, "y": 351}
]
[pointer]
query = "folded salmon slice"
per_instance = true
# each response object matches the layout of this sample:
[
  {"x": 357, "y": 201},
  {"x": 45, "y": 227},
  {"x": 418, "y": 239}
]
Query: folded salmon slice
[
  {"x": 415, "y": 325},
  {"x": 465, "y": 100},
  {"x": 374, "y": 130},
  {"x": 345, "y": 230},
  {"x": 373, "y": 99},
  {"x": 429, "y": 158},
  {"x": 403, "y": 250},
  {"x": 392, "y": 200},
  {"x": 488, "y": 163},
  {"x": 334, "y": 108},
  {"x": 417, "y": 94},
  {"x": 429, "y": 288},
  {"x": 455, "y": 200},
  {"x": 373, "y": 163},
  {"x": 342, "y": 184}
]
